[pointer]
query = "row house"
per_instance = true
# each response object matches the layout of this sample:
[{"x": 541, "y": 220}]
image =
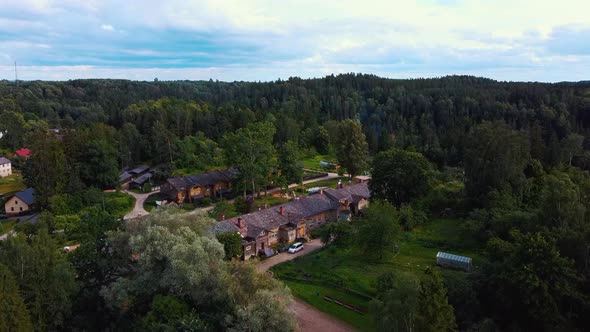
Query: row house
[
  {"x": 195, "y": 187},
  {"x": 260, "y": 230}
]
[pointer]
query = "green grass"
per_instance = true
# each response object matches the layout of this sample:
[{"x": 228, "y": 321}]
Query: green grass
[
  {"x": 314, "y": 162},
  {"x": 309, "y": 294},
  {"x": 11, "y": 184},
  {"x": 6, "y": 226},
  {"x": 270, "y": 200},
  {"x": 118, "y": 203},
  {"x": 350, "y": 268}
]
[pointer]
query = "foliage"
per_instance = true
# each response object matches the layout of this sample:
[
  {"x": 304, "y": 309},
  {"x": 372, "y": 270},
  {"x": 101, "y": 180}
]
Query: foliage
[
  {"x": 223, "y": 208},
  {"x": 378, "y": 230},
  {"x": 232, "y": 244},
  {"x": 396, "y": 304},
  {"x": 338, "y": 233},
  {"x": 351, "y": 147},
  {"x": 45, "y": 279},
  {"x": 14, "y": 315},
  {"x": 400, "y": 176},
  {"x": 288, "y": 160},
  {"x": 434, "y": 312}
]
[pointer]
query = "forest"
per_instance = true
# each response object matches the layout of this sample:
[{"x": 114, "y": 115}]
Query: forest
[{"x": 507, "y": 162}]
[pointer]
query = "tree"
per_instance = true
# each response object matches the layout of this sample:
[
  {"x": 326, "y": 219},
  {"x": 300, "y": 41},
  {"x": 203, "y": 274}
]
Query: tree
[
  {"x": 45, "y": 170},
  {"x": 434, "y": 311},
  {"x": 45, "y": 278},
  {"x": 232, "y": 244},
  {"x": 251, "y": 150},
  {"x": 12, "y": 130},
  {"x": 495, "y": 157},
  {"x": 352, "y": 150},
  {"x": 289, "y": 159},
  {"x": 223, "y": 209},
  {"x": 396, "y": 304},
  {"x": 400, "y": 176},
  {"x": 338, "y": 233},
  {"x": 378, "y": 230},
  {"x": 98, "y": 164},
  {"x": 571, "y": 146},
  {"x": 14, "y": 315}
]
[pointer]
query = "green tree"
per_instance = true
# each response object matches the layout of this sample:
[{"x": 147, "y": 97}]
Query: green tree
[
  {"x": 12, "y": 130},
  {"x": 289, "y": 159},
  {"x": 434, "y": 311},
  {"x": 352, "y": 150},
  {"x": 495, "y": 157},
  {"x": 46, "y": 279},
  {"x": 14, "y": 315},
  {"x": 46, "y": 168},
  {"x": 378, "y": 230},
  {"x": 251, "y": 150},
  {"x": 396, "y": 304},
  {"x": 232, "y": 244},
  {"x": 400, "y": 176},
  {"x": 223, "y": 208},
  {"x": 338, "y": 233},
  {"x": 98, "y": 164},
  {"x": 571, "y": 146}
]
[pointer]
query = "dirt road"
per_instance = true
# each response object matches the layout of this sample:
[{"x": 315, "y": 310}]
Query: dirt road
[
  {"x": 309, "y": 318},
  {"x": 138, "y": 209}
]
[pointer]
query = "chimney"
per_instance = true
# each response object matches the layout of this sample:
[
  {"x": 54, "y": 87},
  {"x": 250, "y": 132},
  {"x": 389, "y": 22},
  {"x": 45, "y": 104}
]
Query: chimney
[
  {"x": 241, "y": 223},
  {"x": 265, "y": 206},
  {"x": 321, "y": 191},
  {"x": 282, "y": 210},
  {"x": 222, "y": 217}
]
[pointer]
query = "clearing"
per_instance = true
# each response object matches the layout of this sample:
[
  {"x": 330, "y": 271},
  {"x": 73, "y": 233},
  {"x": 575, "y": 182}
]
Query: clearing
[{"x": 349, "y": 276}]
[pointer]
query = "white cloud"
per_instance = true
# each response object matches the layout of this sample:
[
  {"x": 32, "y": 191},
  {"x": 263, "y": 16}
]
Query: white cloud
[{"x": 107, "y": 27}]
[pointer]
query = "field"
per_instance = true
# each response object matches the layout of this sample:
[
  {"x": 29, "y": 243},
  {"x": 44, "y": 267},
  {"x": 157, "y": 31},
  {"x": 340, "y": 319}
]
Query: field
[
  {"x": 11, "y": 184},
  {"x": 118, "y": 203},
  {"x": 314, "y": 162},
  {"x": 6, "y": 226},
  {"x": 332, "y": 269}
]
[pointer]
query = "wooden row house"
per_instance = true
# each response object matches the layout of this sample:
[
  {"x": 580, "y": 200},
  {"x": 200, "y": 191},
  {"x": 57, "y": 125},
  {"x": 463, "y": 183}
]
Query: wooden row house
[
  {"x": 187, "y": 189},
  {"x": 260, "y": 230}
]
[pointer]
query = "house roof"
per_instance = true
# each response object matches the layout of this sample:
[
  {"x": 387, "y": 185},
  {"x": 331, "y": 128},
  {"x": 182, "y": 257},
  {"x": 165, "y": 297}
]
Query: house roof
[
  {"x": 203, "y": 179},
  {"x": 142, "y": 179},
  {"x": 139, "y": 169},
  {"x": 125, "y": 176},
  {"x": 224, "y": 227},
  {"x": 24, "y": 152},
  {"x": 27, "y": 196},
  {"x": 4, "y": 160}
]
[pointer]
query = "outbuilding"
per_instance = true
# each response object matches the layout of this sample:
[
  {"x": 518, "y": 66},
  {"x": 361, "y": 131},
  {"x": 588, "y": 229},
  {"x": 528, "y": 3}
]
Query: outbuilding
[{"x": 453, "y": 261}]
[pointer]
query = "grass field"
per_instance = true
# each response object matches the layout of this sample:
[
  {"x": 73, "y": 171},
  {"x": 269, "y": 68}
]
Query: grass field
[
  {"x": 6, "y": 226},
  {"x": 150, "y": 202},
  {"x": 350, "y": 268},
  {"x": 314, "y": 162},
  {"x": 270, "y": 200},
  {"x": 118, "y": 203},
  {"x": 11, "y": 184}
]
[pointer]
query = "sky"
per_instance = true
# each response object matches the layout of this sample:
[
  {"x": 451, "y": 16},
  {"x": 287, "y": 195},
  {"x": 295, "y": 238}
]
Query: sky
[{"x": 515, "y": 40}]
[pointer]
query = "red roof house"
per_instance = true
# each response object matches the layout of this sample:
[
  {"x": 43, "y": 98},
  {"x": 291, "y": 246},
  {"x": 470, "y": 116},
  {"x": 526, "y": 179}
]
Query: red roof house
[{"x": 24, "y": 152}]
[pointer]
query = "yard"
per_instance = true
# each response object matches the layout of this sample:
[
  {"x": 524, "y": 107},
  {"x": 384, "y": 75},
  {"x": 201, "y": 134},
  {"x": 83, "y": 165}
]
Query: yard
[
  {"x": 11, "y": 184},
  {"x": 6, "y": 226},
  {"x": 314, "y": 162},
  {"x": 118, "y": 203},
  {"x": 332, "y": 270}
]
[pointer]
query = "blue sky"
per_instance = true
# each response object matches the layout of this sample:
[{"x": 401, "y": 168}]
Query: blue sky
[{"x": 519, "y": 40}]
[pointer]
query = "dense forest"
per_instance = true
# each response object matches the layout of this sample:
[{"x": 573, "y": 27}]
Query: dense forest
[{"x": 509, "y": 161}]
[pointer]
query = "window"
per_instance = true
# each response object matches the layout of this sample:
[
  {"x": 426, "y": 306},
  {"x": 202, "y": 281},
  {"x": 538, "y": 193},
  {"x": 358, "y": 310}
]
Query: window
[
  {"x": 15, "y": 202},
  {"x": 12, "y": 209},
  {"x": 21, "y": 209}
]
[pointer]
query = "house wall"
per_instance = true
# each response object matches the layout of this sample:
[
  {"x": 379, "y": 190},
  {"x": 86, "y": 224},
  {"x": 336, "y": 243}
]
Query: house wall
[
  {"x": 194, "y": 191},
  {"x": 274, "y": 237},
  {"x": 262, "y": 243},
  {"x": 15, "y": 206},
  {"x": 5, "y": 170},
  {"x": 249, "y": 250},
  {"x": 319, "y": 219}
]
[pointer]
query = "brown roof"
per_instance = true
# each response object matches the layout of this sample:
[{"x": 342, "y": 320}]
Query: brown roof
[{"x": 205, "y": 179}]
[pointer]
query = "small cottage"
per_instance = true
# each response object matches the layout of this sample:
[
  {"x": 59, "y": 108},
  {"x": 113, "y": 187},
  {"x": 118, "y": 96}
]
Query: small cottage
[{"x": 21, "y": 203}]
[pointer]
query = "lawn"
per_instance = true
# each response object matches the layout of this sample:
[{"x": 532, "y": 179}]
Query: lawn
[
  {"x": 118, "y": 203},
  {"x": 351, "y": 269},
  {"x": 150, "y": 202},
  {"x": 6, "y": 226},
  {"x": 11, "y": 184},
  {"x": 270, "y": 200},
  {"x": 314, "y": 162}
]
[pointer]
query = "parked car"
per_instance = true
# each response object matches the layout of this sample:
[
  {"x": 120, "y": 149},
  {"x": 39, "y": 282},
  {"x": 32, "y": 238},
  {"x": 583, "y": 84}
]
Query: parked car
[{"x": 295, "y": 247}]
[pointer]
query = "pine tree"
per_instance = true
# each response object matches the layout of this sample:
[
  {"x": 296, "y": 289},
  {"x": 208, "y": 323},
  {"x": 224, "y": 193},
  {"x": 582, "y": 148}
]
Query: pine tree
[
  {"x": 434, "y": 311},
  {"x": 352, "y": 149},
  {"x": 13, "y": 314}
]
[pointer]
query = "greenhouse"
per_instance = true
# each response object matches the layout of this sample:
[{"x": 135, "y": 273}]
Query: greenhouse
[{"x": 453, "y": 261}]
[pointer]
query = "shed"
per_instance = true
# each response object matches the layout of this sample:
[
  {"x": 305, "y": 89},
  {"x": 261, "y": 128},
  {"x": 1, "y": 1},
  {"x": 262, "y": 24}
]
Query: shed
[
  {"x": 139, "y": 170},
  {"x": 453, "y": 261}
]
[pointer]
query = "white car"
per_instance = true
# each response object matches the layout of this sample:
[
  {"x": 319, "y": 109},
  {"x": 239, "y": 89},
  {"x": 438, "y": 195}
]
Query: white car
[{"x": 295, "y": 247}]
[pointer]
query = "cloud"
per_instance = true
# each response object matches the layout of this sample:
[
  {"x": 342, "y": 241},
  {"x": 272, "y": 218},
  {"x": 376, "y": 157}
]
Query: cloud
[
  {"x": 260, "y": 39},
  {"x": 107, "y": 27}
]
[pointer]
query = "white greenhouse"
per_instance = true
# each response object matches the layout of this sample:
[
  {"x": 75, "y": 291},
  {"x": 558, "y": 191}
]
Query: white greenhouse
[{"x": 453, "y": 261}]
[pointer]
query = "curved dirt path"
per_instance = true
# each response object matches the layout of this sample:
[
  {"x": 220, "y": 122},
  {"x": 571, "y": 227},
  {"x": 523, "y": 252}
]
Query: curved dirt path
[
  {"x": 138, "y": 209},
  {"x": 308, "y": 317}
]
